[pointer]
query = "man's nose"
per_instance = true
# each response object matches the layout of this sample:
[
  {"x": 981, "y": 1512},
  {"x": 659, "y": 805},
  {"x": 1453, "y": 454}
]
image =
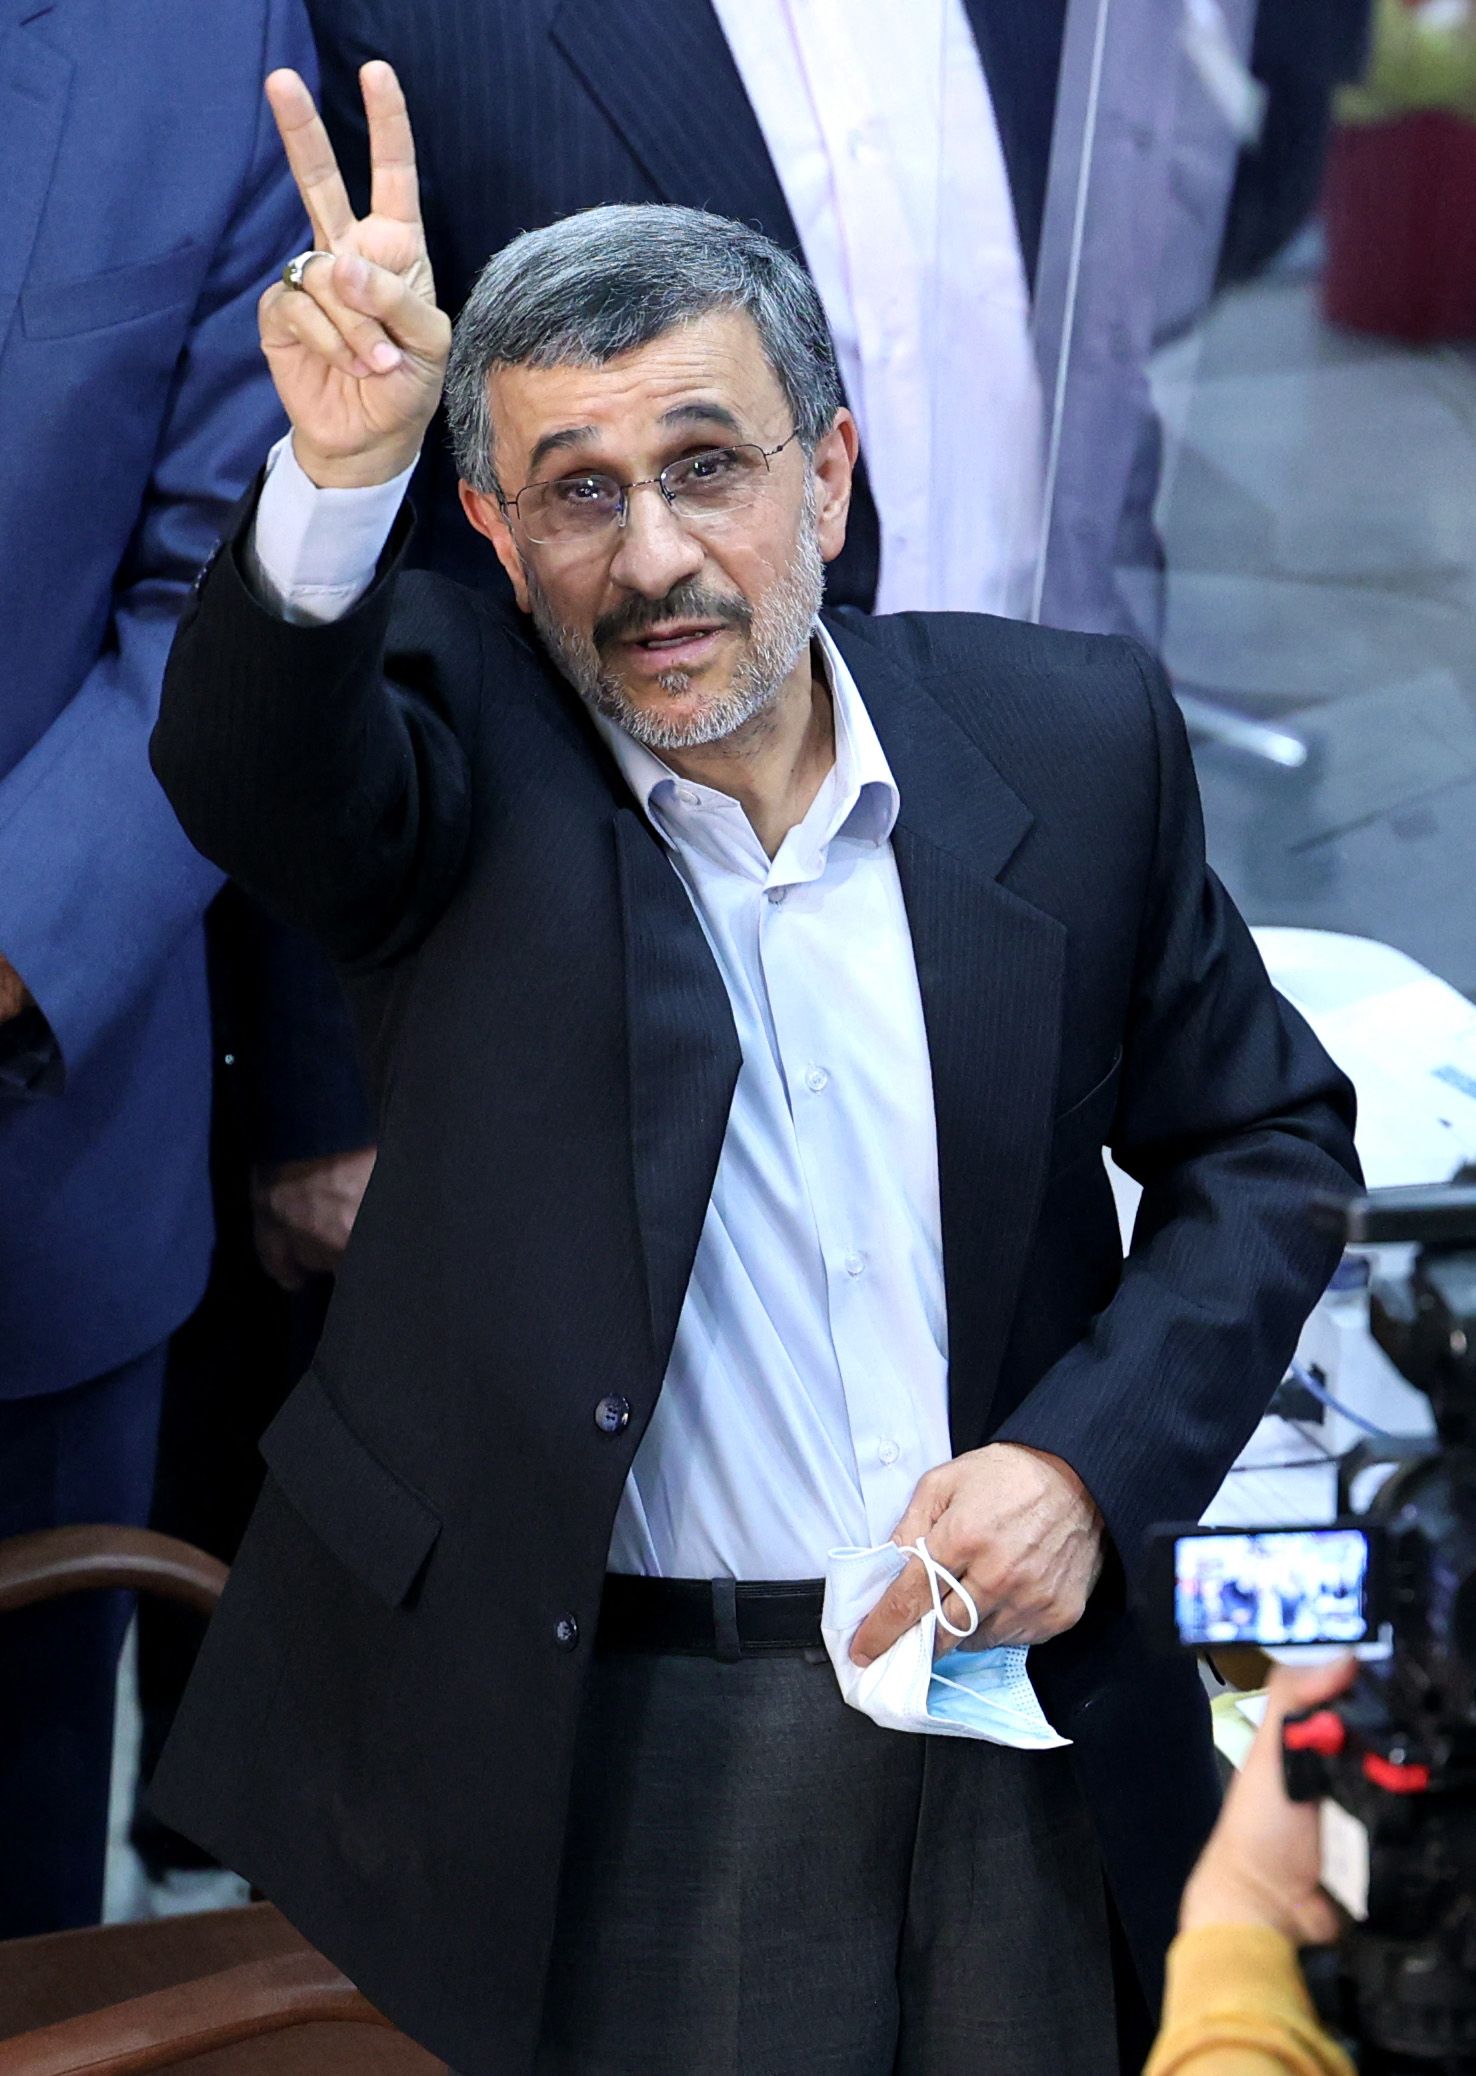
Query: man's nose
[{"x": 655, "y": 552}]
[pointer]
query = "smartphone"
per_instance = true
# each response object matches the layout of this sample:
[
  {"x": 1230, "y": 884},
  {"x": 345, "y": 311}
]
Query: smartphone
[{"x": 1270, "y": 1586}]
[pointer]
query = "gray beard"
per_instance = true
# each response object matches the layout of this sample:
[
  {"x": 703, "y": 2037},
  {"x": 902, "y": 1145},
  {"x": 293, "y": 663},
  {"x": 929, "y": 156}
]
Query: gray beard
[{"x": 783, "y": 621}]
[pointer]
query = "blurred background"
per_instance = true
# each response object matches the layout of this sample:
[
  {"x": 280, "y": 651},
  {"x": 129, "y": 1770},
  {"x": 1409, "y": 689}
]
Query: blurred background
[
  {"x": 1316, "y": 514},
  {"x": 1310, "y": 565}
]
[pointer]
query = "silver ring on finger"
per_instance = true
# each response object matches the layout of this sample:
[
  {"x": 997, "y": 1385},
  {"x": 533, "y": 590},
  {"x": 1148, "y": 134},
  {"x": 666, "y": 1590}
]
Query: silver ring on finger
[{"x": 294, "y": 270}]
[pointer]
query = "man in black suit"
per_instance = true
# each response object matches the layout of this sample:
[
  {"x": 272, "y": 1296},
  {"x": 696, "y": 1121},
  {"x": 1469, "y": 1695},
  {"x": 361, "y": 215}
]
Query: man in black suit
[{"x": 750, "y": 994}]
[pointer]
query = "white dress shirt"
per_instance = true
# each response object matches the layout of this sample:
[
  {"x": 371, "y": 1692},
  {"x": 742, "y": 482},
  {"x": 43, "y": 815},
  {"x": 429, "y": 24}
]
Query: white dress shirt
[
  {"x": 807, "y": 1390},
  {"x": 878, "y": 120}
]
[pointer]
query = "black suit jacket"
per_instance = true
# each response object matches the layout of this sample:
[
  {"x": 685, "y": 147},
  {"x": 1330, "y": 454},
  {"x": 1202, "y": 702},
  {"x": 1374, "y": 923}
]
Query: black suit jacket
[
  {"x": 380, "y": 1729},
  {"x": 279, "y": 1016},
  {"x": 527, "y": 109}
]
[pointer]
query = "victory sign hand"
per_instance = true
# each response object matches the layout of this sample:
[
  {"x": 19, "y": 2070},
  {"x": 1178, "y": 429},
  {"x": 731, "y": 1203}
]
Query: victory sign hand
[{"x": 358, "y": 350}]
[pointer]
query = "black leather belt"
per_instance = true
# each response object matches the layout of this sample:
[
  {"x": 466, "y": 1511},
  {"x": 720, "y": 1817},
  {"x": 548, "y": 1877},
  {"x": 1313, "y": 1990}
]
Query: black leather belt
[{"x": 710, "y": 1618}]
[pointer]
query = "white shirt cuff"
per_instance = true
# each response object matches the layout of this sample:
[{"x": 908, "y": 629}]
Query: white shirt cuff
[{"x": 311, "y": 554}]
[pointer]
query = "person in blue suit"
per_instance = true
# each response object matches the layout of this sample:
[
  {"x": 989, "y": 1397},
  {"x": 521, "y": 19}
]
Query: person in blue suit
[{"x": 146, "y": 207}]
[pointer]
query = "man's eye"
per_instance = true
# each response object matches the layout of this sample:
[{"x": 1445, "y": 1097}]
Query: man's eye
[
  {"x": 583, "y": 490},
  {"x": 707, "y": 467}
]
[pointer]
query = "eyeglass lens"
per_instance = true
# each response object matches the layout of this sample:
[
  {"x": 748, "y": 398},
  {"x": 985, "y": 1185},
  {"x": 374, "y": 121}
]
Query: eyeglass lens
[{"x": 707, "y": 486}]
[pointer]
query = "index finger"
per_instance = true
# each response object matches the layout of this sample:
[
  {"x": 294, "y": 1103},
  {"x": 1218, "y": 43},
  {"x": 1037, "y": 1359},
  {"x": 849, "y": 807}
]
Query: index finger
[
  {"x": 905, "y": 1602},
  {"x": 310, "y": 156},
  {"x": 396, "y": 190}
]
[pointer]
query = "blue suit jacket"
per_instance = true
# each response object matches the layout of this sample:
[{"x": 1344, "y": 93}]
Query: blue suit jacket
[{"x": 146, "y": 203}]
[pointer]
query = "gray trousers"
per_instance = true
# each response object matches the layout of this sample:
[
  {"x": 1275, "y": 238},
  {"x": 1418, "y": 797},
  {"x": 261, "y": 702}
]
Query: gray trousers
[{"x": 759, "y": 1881}]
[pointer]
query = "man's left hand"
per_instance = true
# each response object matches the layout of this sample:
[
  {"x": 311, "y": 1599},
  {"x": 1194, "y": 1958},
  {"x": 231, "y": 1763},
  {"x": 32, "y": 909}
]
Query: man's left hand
[
  {"x": 304, "y": 1212},
  {"x": 1018, "y": 1528}
]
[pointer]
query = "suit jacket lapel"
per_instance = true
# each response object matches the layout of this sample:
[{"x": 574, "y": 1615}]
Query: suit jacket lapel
[
  {"x": 684, "y": 1061},
  {"x": 33, "y": 94},
  {"x": 990, "y": 966},
  {"x": 662, "y": 72}
]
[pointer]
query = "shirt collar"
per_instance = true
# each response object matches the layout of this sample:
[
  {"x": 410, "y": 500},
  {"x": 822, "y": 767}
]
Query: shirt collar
[{"x": 859, "y": 799}]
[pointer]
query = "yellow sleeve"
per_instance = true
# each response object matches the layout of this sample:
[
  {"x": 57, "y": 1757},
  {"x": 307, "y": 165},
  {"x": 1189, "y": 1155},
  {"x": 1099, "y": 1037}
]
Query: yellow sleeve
[{"x": 1236, "y": 2005}]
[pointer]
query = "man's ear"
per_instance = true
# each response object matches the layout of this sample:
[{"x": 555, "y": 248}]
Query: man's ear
[
  {"x": 485, "y": 514},
  {"x": 834, "y": 465}
]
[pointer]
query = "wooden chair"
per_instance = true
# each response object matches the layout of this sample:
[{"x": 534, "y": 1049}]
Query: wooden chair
[{"x": 226, "y": 1993}]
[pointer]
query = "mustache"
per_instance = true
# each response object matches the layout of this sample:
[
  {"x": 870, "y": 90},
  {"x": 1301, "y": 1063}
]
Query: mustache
[{"x": 685, "y": 602}]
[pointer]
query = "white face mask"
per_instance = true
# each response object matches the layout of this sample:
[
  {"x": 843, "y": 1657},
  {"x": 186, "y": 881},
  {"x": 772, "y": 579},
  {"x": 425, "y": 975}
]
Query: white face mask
[{"x": 985, "y": 1693}]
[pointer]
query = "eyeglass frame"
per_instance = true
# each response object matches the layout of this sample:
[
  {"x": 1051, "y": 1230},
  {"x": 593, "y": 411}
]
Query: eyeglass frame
[{"x": 510, "y": 510}]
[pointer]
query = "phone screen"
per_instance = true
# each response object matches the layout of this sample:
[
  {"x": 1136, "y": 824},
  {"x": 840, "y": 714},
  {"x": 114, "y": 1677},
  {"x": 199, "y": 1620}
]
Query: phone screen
[{"x": 1272, "y": 1586}]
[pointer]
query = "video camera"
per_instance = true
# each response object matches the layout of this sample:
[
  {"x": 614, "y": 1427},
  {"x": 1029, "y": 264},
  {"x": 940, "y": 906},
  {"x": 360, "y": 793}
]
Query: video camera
[{"x": 1393, "y": 1761}]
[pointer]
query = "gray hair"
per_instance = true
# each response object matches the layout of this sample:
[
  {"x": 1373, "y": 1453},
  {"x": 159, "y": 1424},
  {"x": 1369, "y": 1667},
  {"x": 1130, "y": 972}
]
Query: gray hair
[{"x": 601, "y": 283}]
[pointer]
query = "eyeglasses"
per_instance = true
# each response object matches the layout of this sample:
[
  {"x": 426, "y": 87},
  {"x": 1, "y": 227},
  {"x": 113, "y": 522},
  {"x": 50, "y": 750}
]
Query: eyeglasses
[{"x": 702, "y": 489}]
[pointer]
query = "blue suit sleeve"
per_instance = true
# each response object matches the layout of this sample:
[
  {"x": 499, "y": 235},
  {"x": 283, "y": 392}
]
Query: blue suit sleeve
[{"x": 122, "y": 883}]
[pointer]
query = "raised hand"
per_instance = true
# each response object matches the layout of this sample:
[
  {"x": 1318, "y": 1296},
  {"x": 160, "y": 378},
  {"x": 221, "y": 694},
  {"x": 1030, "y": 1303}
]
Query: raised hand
[{"x": 358, "y": 352}]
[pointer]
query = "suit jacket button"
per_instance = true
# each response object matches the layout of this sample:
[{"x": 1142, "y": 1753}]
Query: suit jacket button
[
  {"x": 566, "y": 1633},
  {"x": 612, "y": 1414}
]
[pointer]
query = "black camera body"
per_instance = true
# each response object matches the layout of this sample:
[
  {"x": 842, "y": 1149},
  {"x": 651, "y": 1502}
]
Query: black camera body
[
  {"x": 1397, "y": 1754},
  {"x": 1393, "y": 1761}
]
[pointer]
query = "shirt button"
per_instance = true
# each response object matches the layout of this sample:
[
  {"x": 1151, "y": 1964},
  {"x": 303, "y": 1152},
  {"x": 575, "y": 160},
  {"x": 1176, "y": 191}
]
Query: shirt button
[
  {"x": 612, "y": 1414},
  {"x": 815, "y": 1079},
  {"x": 566, "y": 1633},
  {"x": 853, "y": 1265},
  {"x": 889, "y": 1452},
  {"x": 777, "y": 894},
  {"x": 688, "y": 798}
]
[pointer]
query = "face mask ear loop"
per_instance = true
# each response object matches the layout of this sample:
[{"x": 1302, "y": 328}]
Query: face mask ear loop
[{"x": 936, "y": 1571}]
